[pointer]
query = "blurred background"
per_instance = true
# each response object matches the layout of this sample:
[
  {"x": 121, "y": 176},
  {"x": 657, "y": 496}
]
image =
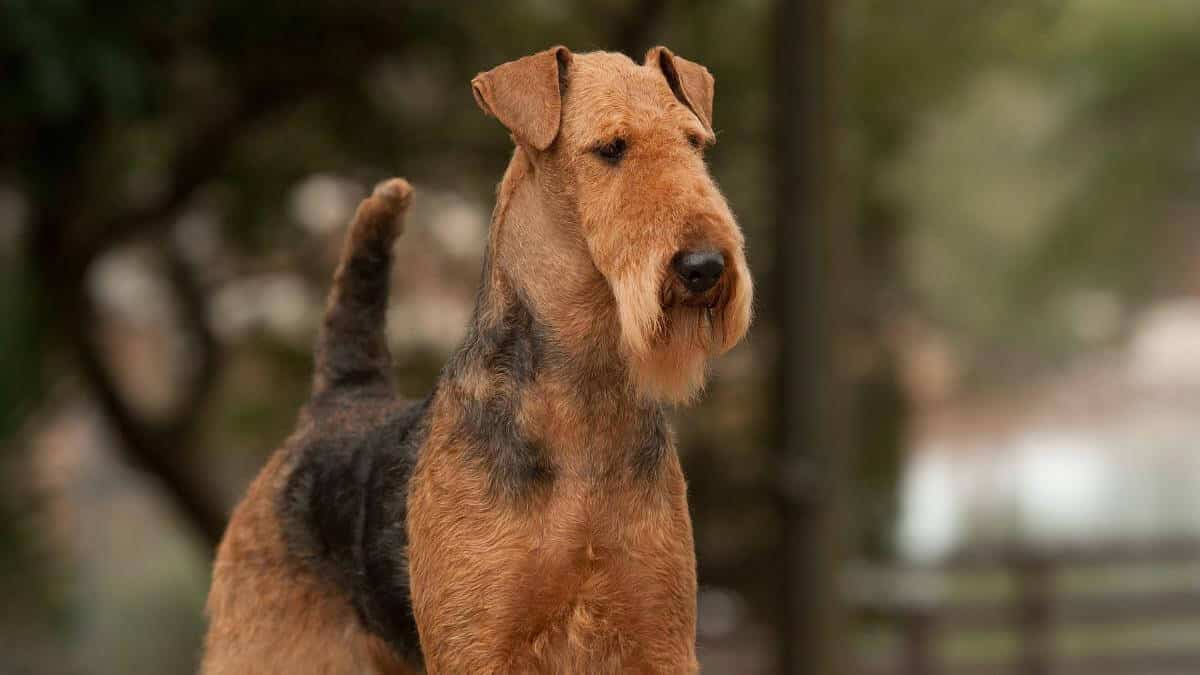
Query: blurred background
[{"x": 962, "y": 436}]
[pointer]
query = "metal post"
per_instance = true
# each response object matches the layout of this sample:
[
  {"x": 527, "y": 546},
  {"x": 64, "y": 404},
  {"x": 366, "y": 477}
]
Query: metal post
[{"x": 1035, "y": 581}]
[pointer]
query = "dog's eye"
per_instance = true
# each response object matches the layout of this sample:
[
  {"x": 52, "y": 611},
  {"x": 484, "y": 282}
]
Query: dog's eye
[
  {"x": 697, "y": 142},
  {"x": 612, "y": 152}
]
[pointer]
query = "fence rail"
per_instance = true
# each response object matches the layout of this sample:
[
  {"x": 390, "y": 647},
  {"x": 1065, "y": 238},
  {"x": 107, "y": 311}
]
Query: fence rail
[{"x": 1036, "y": 610}]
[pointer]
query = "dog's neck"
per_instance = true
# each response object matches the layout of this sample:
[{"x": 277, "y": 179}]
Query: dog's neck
[
  {"x": 542, "y": 350},
  {"x": 538, "y": 260}
]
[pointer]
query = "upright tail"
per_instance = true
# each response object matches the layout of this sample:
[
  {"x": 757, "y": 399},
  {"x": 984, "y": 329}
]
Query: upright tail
[{"x": 352, "y": 348}]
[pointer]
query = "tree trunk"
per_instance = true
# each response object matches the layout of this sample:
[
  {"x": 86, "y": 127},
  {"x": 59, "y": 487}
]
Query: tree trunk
[{"x": 812, "y": 399}]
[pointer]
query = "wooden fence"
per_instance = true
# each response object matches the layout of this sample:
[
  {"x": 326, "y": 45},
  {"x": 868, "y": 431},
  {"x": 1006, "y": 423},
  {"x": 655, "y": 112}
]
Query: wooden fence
[{"x": 1036, "y": 609}]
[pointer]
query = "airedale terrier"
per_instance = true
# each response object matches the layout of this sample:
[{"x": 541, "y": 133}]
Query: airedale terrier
[{"x": 529, "y": 515}]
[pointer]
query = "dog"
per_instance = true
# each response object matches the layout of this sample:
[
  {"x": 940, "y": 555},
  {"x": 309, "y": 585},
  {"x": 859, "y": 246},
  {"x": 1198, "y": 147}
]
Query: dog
[{"x": 530, "y": 514}]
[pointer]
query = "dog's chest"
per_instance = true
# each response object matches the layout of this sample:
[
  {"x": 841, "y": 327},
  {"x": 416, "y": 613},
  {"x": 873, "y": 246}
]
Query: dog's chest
[
  {"x": 603, "y": 568},
  {"x": 587, "y": 575}
]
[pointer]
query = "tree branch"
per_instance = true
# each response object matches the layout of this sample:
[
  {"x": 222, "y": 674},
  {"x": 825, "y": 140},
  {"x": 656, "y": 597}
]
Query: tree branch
[
  {"x": 193, "y": 305},
  {"x": 197, "y": 162},
  {"x": 68, "y": 238},
  {"x": 149, "y": 448}
]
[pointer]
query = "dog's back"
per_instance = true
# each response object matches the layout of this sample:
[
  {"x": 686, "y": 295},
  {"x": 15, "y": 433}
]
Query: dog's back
[{"x": 296, "y": 587}]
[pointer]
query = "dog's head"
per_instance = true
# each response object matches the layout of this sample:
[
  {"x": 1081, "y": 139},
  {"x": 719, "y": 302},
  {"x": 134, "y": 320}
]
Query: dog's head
[{"x": 622, "y": 146}]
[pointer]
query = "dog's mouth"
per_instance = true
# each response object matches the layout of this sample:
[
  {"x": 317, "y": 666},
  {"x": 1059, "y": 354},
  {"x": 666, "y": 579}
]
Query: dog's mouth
[
  {"x": 676, "y": 294},
  {"x": 678, "y": 310},
  {"x": 695, "y": 317},
  {"x": 672, "y": 325}
]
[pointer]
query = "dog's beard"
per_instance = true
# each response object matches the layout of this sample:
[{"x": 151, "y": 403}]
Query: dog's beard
[{"x": 668, "y": 337}]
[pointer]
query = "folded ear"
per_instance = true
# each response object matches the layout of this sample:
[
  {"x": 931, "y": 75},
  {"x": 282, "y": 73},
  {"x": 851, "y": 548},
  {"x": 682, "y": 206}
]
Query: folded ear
[
  {"x": 526, "y": 95},
  {"x": 691, "y": 82}
]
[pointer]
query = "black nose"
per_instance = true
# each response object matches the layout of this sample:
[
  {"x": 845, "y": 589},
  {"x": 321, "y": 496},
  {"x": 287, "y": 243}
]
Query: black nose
[{"x": 699, "y": 270}]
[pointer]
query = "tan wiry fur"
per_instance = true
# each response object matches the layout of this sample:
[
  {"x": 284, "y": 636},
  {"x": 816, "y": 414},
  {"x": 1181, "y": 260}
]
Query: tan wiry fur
[
  {"x": 595, "y": 573},
  {"x": 634, "y": 220},
  {"x": 532, "y": 511}
]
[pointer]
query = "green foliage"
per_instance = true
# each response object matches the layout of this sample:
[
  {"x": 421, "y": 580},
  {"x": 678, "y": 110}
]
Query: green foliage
[
  {"x": 66, "y": 59},
  {"x": 1131, "y": 69},
  {"x": 1039, "y": 159},
  {"x": 29, "y": 578},
  {"x": 21, "y": 346}
]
